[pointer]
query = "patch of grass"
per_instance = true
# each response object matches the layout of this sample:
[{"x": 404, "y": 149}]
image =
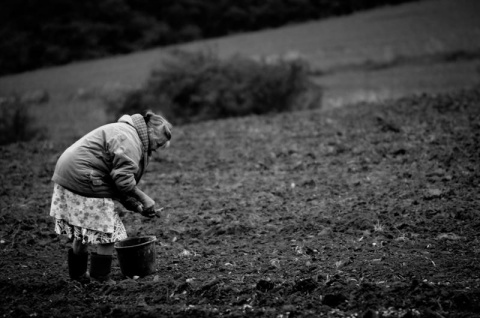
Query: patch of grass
[
  {"x": 16, "y": 122},
  {"x": 378, "y": 227}
]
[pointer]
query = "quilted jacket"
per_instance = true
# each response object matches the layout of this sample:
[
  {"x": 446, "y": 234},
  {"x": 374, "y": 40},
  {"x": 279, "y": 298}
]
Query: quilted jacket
[{"x": 108, "y": 162}]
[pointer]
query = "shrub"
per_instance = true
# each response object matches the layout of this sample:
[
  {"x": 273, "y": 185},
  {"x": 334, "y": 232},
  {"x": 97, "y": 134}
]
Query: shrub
[
  {"x": 191, "y": 87},
  {"x": 16, "y": 124}
]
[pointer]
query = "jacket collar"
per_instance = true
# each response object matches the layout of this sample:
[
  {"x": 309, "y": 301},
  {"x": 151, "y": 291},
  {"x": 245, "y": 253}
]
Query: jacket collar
[{"x": 141, "y": 127}]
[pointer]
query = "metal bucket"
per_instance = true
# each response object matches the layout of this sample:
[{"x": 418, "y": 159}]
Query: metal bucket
[{"x": 136, "y": 255}]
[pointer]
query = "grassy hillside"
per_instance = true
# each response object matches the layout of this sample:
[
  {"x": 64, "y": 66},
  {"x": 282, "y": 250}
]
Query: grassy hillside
[{"x": 430, "y": 46}]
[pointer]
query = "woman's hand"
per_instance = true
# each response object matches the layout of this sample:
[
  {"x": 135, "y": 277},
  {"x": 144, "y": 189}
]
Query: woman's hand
[
  {"x": 132, "y": 204},
  {"x": 147, "y": 204},
  {"x": 151, "y": 212}
]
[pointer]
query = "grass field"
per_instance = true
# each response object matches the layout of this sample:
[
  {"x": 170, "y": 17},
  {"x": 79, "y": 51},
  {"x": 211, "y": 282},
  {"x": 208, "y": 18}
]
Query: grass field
[{"x": 428, "y": 46}]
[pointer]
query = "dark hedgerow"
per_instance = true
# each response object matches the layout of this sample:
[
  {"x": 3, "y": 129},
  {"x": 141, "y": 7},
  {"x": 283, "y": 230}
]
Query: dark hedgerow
[{"x": 193, "y": 86}]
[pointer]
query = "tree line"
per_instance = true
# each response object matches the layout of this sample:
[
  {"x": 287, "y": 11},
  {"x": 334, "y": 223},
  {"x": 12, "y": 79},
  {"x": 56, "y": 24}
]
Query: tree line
[{"x": 37, "y": 34}]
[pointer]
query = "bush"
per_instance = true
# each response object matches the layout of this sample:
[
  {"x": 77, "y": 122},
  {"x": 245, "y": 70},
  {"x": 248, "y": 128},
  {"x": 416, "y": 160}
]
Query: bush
[
  {"x": 16, "y": 124},
  {"x": 191, "y": 87}
]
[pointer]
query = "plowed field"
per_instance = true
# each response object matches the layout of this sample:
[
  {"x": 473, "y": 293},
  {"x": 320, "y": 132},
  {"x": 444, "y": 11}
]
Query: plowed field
[{"x": 363, "y": 211}]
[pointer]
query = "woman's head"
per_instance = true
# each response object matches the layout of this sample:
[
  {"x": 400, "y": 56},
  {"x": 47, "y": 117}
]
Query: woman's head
[{"x": 159, "y": 131}]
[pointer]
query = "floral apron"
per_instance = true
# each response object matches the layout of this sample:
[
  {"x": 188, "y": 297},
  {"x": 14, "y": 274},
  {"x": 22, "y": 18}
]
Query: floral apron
[{"x": 91, "y": 220}]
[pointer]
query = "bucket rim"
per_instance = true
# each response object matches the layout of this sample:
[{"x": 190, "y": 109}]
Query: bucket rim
[{"x": 153, "y": 237}]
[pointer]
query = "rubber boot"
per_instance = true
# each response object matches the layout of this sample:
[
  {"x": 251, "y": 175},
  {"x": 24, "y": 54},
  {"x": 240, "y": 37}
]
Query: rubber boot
[
  {"x": 77, "y": 266},
  {"x": 100, "y": 266}
]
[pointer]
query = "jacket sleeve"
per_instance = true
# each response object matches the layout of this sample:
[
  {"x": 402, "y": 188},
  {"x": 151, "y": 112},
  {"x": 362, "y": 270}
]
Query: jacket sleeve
[{"x": 125, "y": 164}]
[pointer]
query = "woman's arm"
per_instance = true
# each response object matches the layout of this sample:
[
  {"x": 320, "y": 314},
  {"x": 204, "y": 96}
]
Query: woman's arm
[
  {"x": 146, "y": 201},
  {"x": 125, "y": 163}
]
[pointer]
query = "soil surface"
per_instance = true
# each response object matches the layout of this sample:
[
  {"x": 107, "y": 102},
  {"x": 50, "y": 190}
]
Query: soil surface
[{"x": 365, "y": 211}]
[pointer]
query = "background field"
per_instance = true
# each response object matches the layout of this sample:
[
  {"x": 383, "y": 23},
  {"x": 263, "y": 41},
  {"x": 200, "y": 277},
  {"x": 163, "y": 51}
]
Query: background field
[{"x": 429, "y": 46}]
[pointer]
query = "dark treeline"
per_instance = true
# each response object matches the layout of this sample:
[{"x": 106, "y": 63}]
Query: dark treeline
[{"x": 43, "y": 33}]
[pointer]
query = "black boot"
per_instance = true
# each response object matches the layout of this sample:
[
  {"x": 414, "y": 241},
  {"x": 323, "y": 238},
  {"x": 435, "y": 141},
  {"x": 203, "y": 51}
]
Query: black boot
[
  {"x": 77, "y": 265},
  {"x": 100, "y": 266}
]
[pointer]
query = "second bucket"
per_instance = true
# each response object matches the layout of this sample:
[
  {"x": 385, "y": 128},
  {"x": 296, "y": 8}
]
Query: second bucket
[{"x": 137, "y": 255}]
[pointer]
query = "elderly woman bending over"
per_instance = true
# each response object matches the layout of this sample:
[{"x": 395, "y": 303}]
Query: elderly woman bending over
[{"x": 104, "y": 165}]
